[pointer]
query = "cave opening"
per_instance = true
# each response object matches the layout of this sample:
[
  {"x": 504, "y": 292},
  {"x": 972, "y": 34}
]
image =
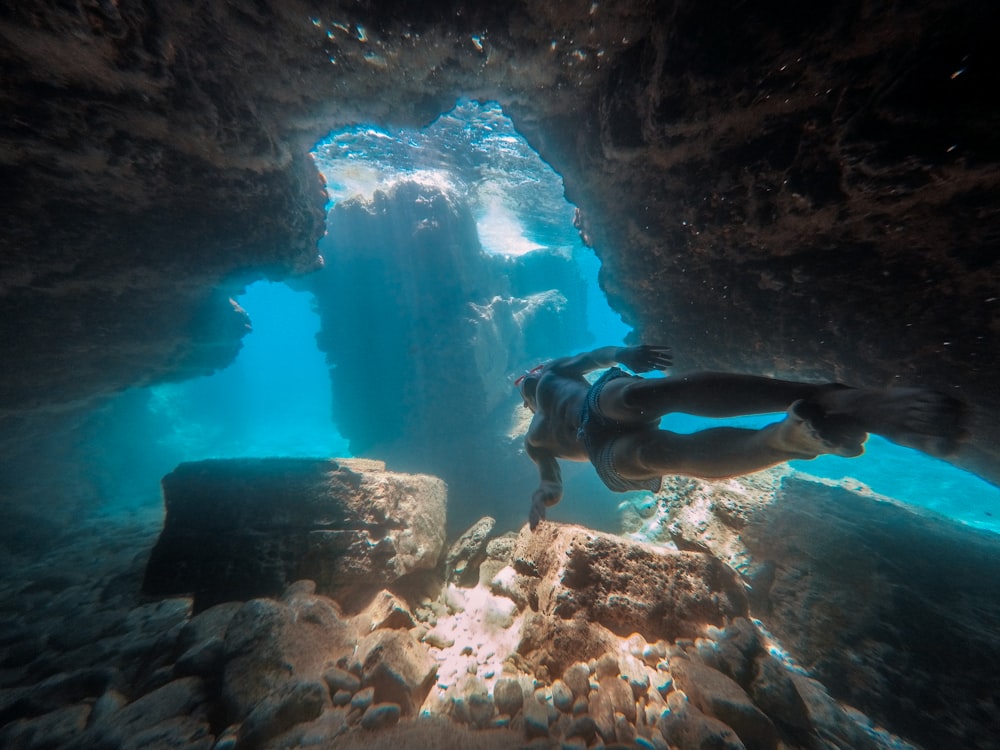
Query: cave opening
[
  {"x": 345, "y": 369},
  {"x": 315, "y": 375},
  {"x": 475, "y": 152},
  {"x": 451, "y": 263}
]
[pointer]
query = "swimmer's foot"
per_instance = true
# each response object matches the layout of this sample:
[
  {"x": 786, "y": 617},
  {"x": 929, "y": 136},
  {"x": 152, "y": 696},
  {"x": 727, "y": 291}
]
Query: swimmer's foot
[
  {"x": 808, "y": 431},
  {"x": 915, "y": 417}
]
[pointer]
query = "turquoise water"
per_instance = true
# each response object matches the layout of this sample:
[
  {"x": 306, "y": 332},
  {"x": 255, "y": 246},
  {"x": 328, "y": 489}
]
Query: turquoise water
[
  {"x": 276, "y": 398},
  {"x": 888, "y": 469}
]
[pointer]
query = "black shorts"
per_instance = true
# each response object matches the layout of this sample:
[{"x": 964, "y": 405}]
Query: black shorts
[{"x": 598, "y": 435}]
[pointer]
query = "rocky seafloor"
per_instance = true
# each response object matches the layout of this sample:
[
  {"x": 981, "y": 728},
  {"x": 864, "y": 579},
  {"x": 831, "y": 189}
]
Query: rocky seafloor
[{"x": 561, "y": 638}]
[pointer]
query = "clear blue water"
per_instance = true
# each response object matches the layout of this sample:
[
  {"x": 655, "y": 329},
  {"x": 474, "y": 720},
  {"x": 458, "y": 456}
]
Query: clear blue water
[
  {"x": 888, "y": 469},
  {"x": 276, "y": 399}
]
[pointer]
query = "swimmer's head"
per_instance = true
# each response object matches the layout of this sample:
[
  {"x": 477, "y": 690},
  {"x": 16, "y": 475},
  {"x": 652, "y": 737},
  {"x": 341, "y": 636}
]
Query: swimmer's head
[{"x": 527, "y": 384}]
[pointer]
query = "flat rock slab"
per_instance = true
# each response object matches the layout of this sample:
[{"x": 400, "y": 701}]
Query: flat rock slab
[{"x": 236, "y": 529}]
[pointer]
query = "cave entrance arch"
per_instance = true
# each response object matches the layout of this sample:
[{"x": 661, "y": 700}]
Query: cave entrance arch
[{"x": 451, "y": 262}]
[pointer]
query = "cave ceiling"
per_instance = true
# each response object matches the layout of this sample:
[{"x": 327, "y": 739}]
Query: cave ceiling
[{"x": 784, "y": 188}]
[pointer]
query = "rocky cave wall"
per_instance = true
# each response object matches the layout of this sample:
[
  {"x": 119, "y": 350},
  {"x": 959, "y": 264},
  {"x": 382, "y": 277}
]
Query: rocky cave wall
[{"x": 779, "y": 187}]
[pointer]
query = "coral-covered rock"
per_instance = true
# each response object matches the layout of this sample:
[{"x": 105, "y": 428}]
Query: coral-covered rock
[
  {"x": 556, "y": 643},
  {"x": 626, "y": 586},
  {"x": 241, "y": 528}
]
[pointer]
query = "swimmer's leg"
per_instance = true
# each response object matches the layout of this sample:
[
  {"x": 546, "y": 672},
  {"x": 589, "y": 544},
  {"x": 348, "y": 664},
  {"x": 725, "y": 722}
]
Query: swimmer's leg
[
  {"x": 730, "y": 451},
  {"x": 915, "y": 417},
  {"x": 705, "y": 394}
]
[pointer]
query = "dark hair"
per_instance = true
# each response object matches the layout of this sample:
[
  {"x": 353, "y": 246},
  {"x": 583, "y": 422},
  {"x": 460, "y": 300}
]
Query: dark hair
[{"x": 528, "y": 387}]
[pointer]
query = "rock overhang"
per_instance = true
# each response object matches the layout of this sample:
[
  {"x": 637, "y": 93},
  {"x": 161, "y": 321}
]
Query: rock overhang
[{"x": 760, "y": 200}]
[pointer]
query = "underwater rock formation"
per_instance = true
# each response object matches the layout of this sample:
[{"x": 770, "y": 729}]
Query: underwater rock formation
[
  {"x": 463, "y": 667},
  {"x": 624, "y": 586},
  {"x": 240, "y": 528},
  {"x": 785, "y": 188},
  {"x": 891, "y": 609}
]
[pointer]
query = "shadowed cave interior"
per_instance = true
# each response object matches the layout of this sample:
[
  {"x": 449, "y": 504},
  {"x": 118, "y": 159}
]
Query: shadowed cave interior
[{"x": 288, "y": 259}]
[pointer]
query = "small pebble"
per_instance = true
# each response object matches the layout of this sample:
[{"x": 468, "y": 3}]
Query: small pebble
[
  {"x": 341, "y": 679},
  {"x": 363, "y": 698},
  {"x": 624, "y": 730},
  {"x": 583, "y": 726},
  {"x": 437, "y": 639},
  {"x": 635, "y": 644},
  {"x": 607, "y": 666},
  {"x": 664, "y": 684},
  {"x": 562, "y": 696},
  {"x": 653, "y": 653},
  {"x": 481, "y": 709},
  {"x": 508, "y": 696},
  {"x": 380, "y": 716},
  {"x": 577, "y": 677},
  {"x": 536, "y": 719}
]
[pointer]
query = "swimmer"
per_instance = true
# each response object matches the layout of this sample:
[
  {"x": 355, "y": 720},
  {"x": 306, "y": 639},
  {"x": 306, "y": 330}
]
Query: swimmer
[{"x": 614, "y": 422}]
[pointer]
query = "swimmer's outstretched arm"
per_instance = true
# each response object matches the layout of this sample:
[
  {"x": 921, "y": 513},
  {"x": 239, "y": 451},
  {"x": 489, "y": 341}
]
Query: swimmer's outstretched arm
[
  {"x": 642, "y": 358},
  {"x": 550, "y": 489}
]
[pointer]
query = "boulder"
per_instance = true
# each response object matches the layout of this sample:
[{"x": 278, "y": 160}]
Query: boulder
[
  {"x": 244, "y": 528},
  {"x": 720, "y": 697},
  {"x": 271, "y": 645},
  {"x": 398, "y": 667},
  {"x": 774, "y": 692},
  {"x": 626, "y": 586},
  {"x": 386, "y": 610},
  {"x": 687, "y": 728},
  {"x": 887, "y": 606},
  {"x": 468, "y": 552},
  {"x": 296, "y": 703},
  {"x": 53, "y": 729},
  {"x": 176, "y": 712}
]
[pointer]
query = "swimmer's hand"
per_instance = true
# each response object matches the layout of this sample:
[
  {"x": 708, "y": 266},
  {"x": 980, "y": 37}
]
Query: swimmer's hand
[
  {"x": 645, "y": 358},
  {"x": 547, "y": 495}
]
